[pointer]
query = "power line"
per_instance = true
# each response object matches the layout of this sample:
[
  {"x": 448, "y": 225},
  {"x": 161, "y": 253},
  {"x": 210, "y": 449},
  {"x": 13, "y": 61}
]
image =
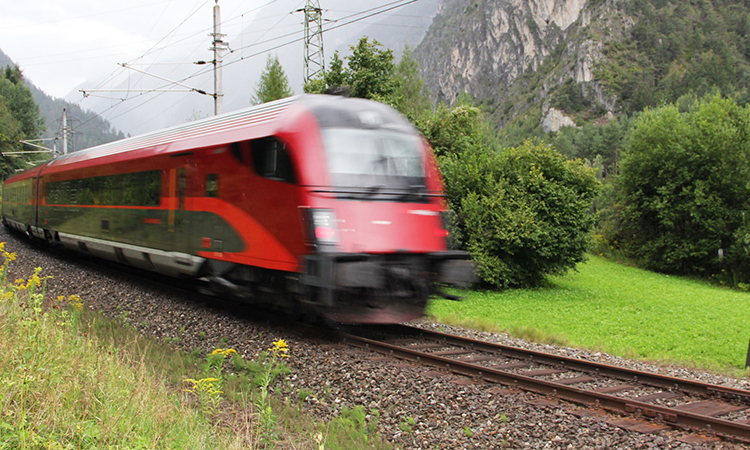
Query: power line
[
  {"x": 153, "y": 47},
  {"x": 293, "y": 41},
  {"x": 338, "y": 24}
]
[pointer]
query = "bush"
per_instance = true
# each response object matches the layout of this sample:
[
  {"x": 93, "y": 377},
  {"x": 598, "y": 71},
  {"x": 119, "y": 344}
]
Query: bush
[
  {"x": 524, "y": 211},
  {"x": 684, "y": 189},
  {"x": 453, "y": 131}
]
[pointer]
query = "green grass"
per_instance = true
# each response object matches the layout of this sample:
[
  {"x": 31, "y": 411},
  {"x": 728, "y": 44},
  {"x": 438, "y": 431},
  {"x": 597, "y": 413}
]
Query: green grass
[
  {"x": 621, "y": 310},
  {"x": 62, "y": 387}
]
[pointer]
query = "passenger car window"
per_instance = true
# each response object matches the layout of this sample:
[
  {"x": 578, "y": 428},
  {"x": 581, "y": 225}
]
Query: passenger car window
[
  {"x": 212, "y": 185},
  {"x": 271, "y": 159},
  {"x": 130, "y": 189}
]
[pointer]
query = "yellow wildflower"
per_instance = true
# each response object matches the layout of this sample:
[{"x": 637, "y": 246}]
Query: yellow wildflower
[
  {"x": 280, "y": 349},
  {"x": 226, "y": 352}
]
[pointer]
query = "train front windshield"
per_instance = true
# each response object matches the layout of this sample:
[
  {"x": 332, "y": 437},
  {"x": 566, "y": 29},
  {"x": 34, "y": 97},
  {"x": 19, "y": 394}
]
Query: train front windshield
[{"x": 374, "y": 161}]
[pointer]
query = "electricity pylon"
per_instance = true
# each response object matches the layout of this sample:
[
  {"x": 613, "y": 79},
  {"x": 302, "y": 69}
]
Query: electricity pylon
[{"x": 314, "y": 62}]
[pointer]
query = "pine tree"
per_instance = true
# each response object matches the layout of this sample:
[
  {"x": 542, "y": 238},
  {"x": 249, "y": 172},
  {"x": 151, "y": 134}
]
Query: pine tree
[{"x": 273, "y": 83}]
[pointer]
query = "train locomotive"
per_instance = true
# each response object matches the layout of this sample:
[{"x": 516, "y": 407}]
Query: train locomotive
[{"x": 313, "y": 203}]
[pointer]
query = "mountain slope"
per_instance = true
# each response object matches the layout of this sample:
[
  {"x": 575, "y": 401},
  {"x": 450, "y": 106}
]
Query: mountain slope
[
  {"x": 526, "y": 61},
  {"x": 86, "y": 127}
]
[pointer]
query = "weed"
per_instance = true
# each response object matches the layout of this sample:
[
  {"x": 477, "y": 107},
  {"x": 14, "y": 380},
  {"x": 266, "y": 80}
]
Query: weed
[
  {"x": 272, "y": 367},
  {"x": 354, "y": 425},
  {"x": 70, "y": 378},
  {"x": 303, "y": 394},
  {"x": 216, "y": 360},
  {"x": 326, "y": 394},
  {"x": 208, "y": 389},
  {"x": 407, "y": 425},
  {"x": 208, "y": 394},
  {"x": 468, "y": 433}
]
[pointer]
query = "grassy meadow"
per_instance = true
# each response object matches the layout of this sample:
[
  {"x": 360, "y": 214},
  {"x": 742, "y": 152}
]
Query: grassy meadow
[{"x": 621, "y": 310}]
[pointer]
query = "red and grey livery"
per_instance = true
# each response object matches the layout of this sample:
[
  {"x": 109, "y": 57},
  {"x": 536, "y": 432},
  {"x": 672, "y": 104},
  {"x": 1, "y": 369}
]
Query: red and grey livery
[{"x": 320, "y": 203}]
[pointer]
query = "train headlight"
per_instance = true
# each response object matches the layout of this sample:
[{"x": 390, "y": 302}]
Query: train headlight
[{"x": 324, "y": 228}]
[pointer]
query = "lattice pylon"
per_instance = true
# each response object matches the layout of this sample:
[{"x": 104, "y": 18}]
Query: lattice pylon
[{"x": 314, "y": 61}]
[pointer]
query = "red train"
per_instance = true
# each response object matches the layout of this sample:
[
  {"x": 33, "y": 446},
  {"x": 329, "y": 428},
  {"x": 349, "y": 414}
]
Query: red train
[{"x": 312, "y": 203}]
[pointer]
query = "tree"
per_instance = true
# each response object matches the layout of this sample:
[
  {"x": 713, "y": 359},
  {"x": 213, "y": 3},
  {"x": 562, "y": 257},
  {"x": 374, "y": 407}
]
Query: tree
[
  {"x": 678, "y": 47},
  {"x": 684, "y": 189},
  {"x": 273, "y": 83},
  {"x": 369, "y": 72},
  {"x": 19, "y": 119},
  {"x": 523, "y": 213},
  {"x": 21, "y": 103},
  {"x": 409, "y": 96},
  {"x": 335, "y": 75},
  {"x": 453, "y": 131},
  {"x": 10, "y": 135}
]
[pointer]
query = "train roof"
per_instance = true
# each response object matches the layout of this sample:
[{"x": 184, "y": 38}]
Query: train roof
[
  {"x": 329, "y": 111},
  {"x": 214, "y": 127}
]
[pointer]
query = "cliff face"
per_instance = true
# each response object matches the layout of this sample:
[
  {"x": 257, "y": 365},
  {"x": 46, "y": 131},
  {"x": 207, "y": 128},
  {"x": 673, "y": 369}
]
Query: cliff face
[{"x": 509, "y": 54}]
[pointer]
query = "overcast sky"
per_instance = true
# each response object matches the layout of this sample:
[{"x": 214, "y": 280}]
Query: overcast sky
[{"x": 61, "y": 44}]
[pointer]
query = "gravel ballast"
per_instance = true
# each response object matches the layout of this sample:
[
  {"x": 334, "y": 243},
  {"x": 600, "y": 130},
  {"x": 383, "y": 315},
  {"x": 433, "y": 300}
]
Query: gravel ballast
[{"x": 418, "y": 407}]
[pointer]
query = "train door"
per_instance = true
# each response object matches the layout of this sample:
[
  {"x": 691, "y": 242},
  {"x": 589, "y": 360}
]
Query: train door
[{"x": 180, "y": 189}]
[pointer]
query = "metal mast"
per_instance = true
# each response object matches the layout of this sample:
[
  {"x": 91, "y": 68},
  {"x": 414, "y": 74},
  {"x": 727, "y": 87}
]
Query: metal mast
[
  {"x": 314, "y": 62},
  {"x": 218, "y": 47},
  {"x": 65, "y": 132}
]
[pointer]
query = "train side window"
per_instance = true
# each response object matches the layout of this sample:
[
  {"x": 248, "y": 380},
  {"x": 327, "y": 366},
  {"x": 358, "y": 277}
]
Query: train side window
[
  {"x": 212, "y": 185},
  {"x": 130, "y": 189},
  {"x": 241, "y": 152},
  {"x": 271, "y": 159}
]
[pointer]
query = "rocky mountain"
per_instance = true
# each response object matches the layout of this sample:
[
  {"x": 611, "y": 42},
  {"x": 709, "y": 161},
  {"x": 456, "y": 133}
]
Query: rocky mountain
[
  {"x": 511, "y": 54},
  {"x": 540, "y": 64}
]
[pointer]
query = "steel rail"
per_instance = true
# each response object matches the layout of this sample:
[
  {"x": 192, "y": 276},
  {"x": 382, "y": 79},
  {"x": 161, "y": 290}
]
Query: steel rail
[
  {"x": 672, "y": 417},
  {"x": 620, "y": 373}
]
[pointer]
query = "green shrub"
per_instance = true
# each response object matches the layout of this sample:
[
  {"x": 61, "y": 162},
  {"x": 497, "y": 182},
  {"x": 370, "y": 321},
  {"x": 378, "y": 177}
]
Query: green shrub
[
  {"x": 524, "y": 211},
  {"x": 684, "y": 189}
]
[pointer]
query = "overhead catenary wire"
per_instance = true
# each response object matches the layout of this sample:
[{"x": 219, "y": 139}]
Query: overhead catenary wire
[
  {"x": 153, "y": 48},
  {"x": 337, "y": 23},
  {"x": 400, "y": 4}
]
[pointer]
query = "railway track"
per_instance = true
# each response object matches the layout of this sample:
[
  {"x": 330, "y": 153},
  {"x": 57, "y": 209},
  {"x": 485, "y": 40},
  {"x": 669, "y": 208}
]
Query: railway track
[{"x": 663, "y": 400}]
